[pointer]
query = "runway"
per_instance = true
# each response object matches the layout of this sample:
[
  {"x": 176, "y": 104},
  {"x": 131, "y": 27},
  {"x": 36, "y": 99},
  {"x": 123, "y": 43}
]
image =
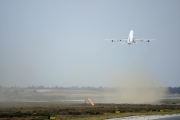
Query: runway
[{"x": 150, "y": 117}]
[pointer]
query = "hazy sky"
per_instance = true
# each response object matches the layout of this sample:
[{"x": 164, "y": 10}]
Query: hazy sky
[{"x": 62, "y": 42}]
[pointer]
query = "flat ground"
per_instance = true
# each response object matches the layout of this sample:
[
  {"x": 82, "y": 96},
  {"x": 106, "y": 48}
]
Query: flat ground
[
  {"x": 39, "y": 104},
  {"x": 34, "y": 110}
]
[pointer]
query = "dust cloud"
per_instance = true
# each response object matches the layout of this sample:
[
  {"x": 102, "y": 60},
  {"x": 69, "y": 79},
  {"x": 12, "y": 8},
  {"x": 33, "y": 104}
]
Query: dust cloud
[
  {"x": 135, "y": 88},
  {"x": 136, "y": 81}
]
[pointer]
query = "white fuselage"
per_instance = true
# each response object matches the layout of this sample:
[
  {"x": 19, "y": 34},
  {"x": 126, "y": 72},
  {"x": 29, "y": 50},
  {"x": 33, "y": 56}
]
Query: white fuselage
[{"x": 131, "y": 37}]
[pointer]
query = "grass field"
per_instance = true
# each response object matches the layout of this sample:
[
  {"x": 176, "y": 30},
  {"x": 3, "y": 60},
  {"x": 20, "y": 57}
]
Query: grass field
[
  {"x": 39, "y": 104},
  {"x": 81, "y": 111}
]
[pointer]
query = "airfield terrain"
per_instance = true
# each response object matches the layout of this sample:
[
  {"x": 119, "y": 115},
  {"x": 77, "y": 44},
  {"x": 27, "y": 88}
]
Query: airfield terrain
[
  {"x": 72, "y": 104},
  {"x": 81, "y": 111}
]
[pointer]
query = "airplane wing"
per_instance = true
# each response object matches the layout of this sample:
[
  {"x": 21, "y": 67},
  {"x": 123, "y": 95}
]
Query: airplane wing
[
  {"x": 143, "y": 40},
  {"x": 118, "y": 40}
]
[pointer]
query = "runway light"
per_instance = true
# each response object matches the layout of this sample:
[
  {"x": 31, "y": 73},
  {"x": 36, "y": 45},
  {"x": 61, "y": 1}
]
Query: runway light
[{"x": 52, "y": 117}]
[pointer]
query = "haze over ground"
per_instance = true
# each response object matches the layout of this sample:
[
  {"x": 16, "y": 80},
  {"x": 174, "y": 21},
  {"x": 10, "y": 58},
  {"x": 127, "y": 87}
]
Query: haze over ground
[{"x": 62, "y": 43}]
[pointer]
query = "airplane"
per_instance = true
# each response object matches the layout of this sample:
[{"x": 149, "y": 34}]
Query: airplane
[{"x": 131, "y": 39}]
